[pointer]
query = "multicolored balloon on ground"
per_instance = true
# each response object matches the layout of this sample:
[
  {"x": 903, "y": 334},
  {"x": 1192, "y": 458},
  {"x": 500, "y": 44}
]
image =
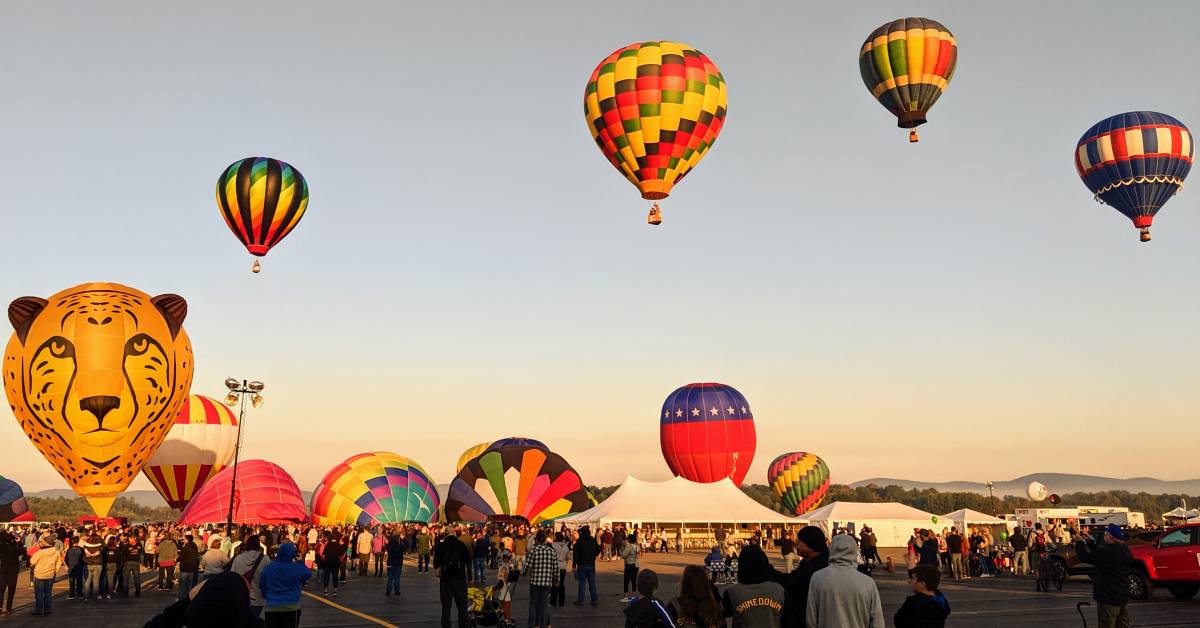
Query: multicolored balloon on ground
[
  {"x": 707, "y": 433},
  {"x": 1135, "y": 162},
  {"x": 906, "y": 64},
  {"x": 266, "y": 494},
  {"x": 201, "y": 443},
  {"x": 380, "y": 487},
  {"x": 800, "y": 480},
  {"x": 96, "y": 375},
  {"x": 518, "y": 441},
  {"x": 262, "y": 200},
  {"x": 520, "y": 481},
  {"x": 655, "y": 108},
  {"x": 13, "y": 507},
  {"x": 1037, "y": 491}
]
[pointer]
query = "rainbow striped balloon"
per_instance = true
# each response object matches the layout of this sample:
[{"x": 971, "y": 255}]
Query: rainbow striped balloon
[
  {"x": 262, "y": 200},
  {"x": 800, "y": 480},
  {"x": 380, "y": 487}
]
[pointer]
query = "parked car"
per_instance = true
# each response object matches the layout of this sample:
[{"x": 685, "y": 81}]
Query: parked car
[
  {"x": 1171, "y": 561},
  {"x": 1066, "y": 559}
]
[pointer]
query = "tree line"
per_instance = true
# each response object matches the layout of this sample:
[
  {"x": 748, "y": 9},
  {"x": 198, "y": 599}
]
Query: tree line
[{"x": 68, "y": 509}]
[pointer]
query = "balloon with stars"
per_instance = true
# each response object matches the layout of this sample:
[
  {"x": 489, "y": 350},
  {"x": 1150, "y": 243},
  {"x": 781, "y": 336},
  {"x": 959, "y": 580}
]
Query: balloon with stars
[{"x": 707, "y": 433}]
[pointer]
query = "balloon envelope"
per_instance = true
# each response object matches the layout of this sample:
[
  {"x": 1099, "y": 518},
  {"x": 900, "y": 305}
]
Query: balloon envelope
[
  {"x": 380, "y": 487},
  {"x": 800, "y": 480},
  {"x": 655, "y": 108},
  {"x": 520, "y": 481},
  {"x": 470, "y": 453},
  {"x": 1135, "y": 162},
  {"x": 1036, "y": 491},
  {"x": 13, "y": 507},
  {"x": 95, "y": 375},
  {"x": 201, "y": 443},
  {"x": 262, "y": 200},
  {"x": 706, "y": 432},
  {"x": 906, "y": 64},
  {"x": 266, "y": 494}
]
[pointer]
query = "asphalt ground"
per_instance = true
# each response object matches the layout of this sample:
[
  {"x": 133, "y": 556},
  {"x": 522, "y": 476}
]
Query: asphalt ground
[{"x": 1003, "y": 601}]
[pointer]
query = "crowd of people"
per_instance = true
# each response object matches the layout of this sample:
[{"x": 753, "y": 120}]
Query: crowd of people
[{"x": 254, "y": 575}]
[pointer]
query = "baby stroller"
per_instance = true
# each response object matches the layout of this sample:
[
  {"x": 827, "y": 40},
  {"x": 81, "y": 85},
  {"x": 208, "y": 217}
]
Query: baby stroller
[
  {"x": 731, "y": 569},
  {"x": 482, "y": 607}
]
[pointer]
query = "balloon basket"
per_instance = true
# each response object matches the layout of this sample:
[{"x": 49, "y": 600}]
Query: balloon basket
[
  {"x": 913, "y": 137},
  {"x": 256, "y": 268},
  {"x": 1145, "y": 234},
  {"x": 655, "y": 215}
]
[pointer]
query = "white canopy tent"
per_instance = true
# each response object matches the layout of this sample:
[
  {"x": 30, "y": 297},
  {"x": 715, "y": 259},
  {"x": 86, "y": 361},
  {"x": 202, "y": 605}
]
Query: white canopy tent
[
  {"x": 891, "y": 522},
  {"x": 679, "y": 501},
  {"x": 965, "y": 519},
  {"x": 1180, "y": 513}
]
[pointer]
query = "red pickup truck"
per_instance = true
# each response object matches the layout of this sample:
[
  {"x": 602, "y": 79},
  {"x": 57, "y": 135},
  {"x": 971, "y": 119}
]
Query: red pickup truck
[{"x": 1172, "y": 561}]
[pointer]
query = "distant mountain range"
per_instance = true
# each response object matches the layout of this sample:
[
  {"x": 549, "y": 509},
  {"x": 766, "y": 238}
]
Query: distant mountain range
[{"x": 1060, "y": 483}]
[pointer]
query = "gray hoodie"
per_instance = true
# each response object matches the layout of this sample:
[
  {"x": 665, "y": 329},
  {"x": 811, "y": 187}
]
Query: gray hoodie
[{"x": 840, "y": 596}]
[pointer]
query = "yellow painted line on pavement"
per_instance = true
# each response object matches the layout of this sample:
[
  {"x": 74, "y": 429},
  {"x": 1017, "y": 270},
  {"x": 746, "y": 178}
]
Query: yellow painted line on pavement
[{"x": 344, "y": 609}]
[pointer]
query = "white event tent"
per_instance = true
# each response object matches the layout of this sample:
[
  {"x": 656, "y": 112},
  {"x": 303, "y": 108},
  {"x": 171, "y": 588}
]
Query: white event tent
[
  {"x": 679, "y": 501},
  {"x": 891, "y": 522},
  {"x": 965, "y": 518}
]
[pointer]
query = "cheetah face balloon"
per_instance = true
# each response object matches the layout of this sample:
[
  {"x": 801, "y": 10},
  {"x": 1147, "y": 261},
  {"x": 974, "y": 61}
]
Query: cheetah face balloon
[{"x": 96, "y": 375}]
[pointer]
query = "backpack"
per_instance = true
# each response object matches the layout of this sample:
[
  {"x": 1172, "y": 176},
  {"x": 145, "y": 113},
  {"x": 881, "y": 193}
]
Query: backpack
[{"x": 514, "y": 575}]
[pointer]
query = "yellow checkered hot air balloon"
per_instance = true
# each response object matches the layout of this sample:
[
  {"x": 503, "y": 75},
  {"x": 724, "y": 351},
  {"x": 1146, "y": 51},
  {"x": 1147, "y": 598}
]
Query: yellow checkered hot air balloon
[{"x": 654, "y": 109}]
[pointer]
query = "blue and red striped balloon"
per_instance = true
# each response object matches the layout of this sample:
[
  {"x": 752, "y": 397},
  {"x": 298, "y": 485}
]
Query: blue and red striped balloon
[
  {"x": 707, "y": 433},
  {"x": 1135, "y": 162}
]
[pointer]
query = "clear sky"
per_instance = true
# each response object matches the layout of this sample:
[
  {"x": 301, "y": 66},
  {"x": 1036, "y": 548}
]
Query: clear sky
[{"x": 470, "y": 267}]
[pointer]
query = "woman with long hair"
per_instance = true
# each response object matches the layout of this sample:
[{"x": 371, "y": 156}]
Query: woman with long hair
[{"x": 697, "y": 603}]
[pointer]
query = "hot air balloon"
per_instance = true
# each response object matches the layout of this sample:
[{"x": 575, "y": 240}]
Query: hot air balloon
[
  {"x": 519, "y": 441},
  {"x": 201, "y": 443},
  {"x": 262, "y": 200},
  {"x": 707, "y": 433},
  {"x": 1036, "y": 491},
  {"x": 1135, "y": 162},
  {"x": 1054, "y": 498},
  {"x": 266, "y": 494},
  {"x": 96, "y": 375},
  {"x": 800, "y": 480},
  {"x": 371, "y": 488},
  {"x": 654, "y": 109},
  {"x": 470, "y": 453},
  {"x": 906, "y": 65},
  {"x": 13, "y": 507},
  {"x": 519, "y": 481}
]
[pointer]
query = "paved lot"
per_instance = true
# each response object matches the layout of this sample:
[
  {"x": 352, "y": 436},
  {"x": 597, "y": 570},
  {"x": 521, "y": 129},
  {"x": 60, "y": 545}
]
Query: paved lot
[{"x": 977, "y": 603}]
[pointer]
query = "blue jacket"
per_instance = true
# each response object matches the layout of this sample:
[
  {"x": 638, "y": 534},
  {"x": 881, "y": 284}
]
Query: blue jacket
[{"x": 281, "y": 580}]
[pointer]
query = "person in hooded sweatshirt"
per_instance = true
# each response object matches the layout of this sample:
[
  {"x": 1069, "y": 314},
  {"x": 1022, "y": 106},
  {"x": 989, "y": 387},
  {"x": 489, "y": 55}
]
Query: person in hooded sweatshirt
[
  {"x": 221, "y": 601},
  {"x": 754, "y": 601},
  {"x": 280, "y": 584},
  {"x": 250, "y": 562},
  {"x": 647, "y": 611},
  {"x": 926, "y": 607},
  {"x": 814, "y": 554},
  {"x": 839, "y": 596}
]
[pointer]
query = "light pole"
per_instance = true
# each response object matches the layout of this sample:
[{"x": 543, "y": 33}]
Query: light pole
[
  {"x": 238, "y": 390},
  {"x": 989, "y": 485}
]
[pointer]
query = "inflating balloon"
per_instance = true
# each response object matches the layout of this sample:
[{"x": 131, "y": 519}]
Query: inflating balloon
[
  {"x": 13, "y": 507},
  {"x": 1036, "y": 491},
  {"x": 707, "y": 433},
  {"x": 201, "y": 443},
  {"x": 469, "y": 453},
  {"x": 96, "y": 375},
  {"x": 262, "y": 200},
  {"x": 380, "y": 487},
  {"x": 654, "y": 109},
  {"x": 906, "y": 65},
  {"x": 800, "y": 480},
  {"x": 519, "y": 441},
  {"x": 266, "y": 494},
  {"x": 520, "y": 481},
  {"x": 1135, "y": 162}
]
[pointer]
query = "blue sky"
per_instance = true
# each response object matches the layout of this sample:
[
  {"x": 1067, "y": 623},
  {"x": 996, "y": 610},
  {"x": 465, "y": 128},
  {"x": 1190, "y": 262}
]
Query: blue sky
[{"x": 470, "y": 267}]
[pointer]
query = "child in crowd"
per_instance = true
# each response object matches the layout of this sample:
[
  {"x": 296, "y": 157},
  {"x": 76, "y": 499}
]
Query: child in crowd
[
  {"x": 926, "y": 607},
  {"x": 506, "y": 583},
  {"x": 647, "y": 611}
]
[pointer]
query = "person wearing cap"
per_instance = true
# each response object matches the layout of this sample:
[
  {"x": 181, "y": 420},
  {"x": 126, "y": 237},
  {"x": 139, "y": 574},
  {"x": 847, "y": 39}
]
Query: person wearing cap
[
  {"x": 1110, "y": 579},
  {"x": 814, "y": 554}
]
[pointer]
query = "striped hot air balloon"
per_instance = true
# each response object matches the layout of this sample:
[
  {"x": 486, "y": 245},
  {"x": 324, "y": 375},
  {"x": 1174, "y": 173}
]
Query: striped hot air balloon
[
  {"x": 1135, "y": 162},
  {"x": 707, "y": 433},
  {"x": 519, "y": 481},
  {"x": 262, "y": 200},
  {"x": 370, "y": 488},
  {"x": 198, "y": 446},
  {"x": 906, "y": 64},
  {"x": 655, "y": 108},
  {"x": 800, "y": 480}
]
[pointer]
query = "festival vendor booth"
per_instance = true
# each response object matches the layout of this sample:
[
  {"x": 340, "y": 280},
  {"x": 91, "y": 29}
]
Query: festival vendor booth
[
  {"x": 965, "y": 519},
  {"x": 703, "y": 511},
  {"x": 891, "y": 522},
  {"x": 1178, "y": 515}
]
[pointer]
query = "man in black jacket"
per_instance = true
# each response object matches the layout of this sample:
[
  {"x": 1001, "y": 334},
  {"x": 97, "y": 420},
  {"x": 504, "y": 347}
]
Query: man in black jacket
[
  {"x": 451, "y": 560},
  {"x": 814, "y": 552},
  {"x": 1110, "y": 580},
  {"x": 584, "y": 558}
]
